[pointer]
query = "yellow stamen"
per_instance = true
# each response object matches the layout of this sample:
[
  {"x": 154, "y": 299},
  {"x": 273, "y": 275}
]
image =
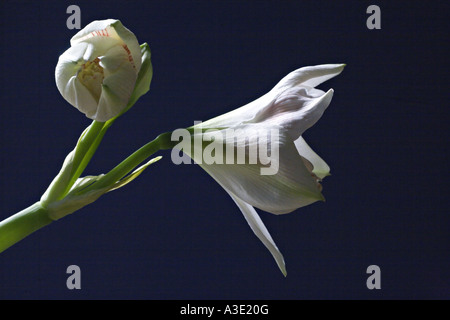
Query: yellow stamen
[{"x": 91, "y": 76}]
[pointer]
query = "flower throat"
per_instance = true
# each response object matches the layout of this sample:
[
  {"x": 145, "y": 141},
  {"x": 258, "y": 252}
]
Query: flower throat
[{"x": 91, "y": 76}]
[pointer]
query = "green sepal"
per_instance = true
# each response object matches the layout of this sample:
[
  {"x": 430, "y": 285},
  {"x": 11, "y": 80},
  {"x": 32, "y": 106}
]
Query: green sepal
[
  {"x": 133, "y": 175},
  {"x": 145, "y": 75}
]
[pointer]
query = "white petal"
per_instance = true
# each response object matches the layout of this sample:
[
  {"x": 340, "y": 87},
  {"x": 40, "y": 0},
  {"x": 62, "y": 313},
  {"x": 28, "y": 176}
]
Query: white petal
[
  {"x": 109, "y": 105},
  {"x": 310, "y": 114},
  {"x": 113, "y": 59},
  {"x": 80, "y": 97},
  {"x": 97, "y": 40},
  {"x": 117, "y": 86},
  {"x": 320, "y": 167},
  {"x": 291, "y": 187},
  {"x": 74, "y": 54},
  {"x": 68, "y": 65},
  {"x": 92, "y": 27},
  {"x": 235, "y": 117},
  {"x": 302, "y": 81},
  {"x": 285, "y": 103},
  {"x": 131, "y": 41},
  {"x": 295, "y": 110},
  {"x": 260, "y": 230},
  {"x": 309, "y": 76},
  {"x": 106, "y": 34}
]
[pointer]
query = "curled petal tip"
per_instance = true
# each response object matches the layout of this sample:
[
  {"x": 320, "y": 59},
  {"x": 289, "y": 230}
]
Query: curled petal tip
[{"x": 283, "y": 270}]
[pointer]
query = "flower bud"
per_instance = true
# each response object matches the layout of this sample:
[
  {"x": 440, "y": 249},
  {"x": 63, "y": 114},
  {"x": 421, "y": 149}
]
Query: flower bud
[{"x": 98, "y": 73}]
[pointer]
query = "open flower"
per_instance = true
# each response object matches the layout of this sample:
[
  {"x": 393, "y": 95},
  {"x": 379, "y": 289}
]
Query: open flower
[
  {"x": 98, "y": 73},
  {"x": 290, "y": 108}
]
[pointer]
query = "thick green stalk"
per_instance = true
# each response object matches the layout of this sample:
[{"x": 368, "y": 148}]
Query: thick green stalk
[
  {"x": 22, "y": 224},
  {"x": 75, "y": 163},
  {"x": 25, "y": 222}
]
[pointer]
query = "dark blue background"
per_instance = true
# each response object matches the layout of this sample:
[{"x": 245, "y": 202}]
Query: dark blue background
[{"x": 174, "y": 233}]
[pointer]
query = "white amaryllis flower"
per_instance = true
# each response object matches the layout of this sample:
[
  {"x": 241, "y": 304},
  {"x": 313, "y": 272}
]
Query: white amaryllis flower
[
  {"x": 290, "y": 108},
  {"x": 97, "y": 74}
]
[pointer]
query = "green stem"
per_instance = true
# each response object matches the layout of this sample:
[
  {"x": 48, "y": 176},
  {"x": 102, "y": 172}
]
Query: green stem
[
  {"x": 162, "y": 142},
  {"x": 85, "y": 149},
  {"x": 88, "y": 151},
  {"x": 75, "y": 162},
  {"x": 22, "y": 224}
]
